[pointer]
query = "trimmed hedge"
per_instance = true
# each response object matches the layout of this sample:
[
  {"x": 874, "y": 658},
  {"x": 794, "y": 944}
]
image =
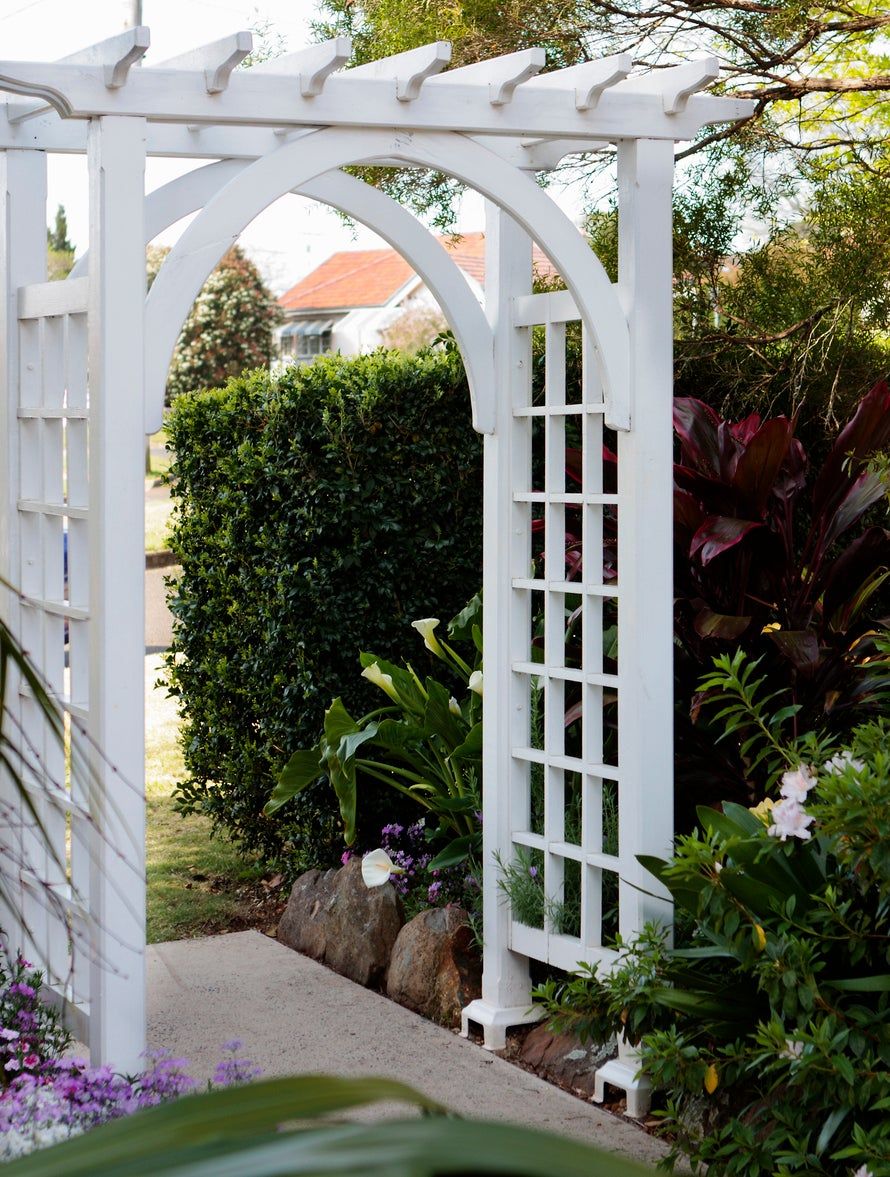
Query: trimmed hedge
[{"x": 316, "y": 515}]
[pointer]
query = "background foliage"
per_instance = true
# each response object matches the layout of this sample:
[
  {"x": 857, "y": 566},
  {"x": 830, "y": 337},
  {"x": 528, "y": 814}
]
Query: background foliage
[
  {"x": 230, "y": 327},
  {"x": 315, "y": 516}
]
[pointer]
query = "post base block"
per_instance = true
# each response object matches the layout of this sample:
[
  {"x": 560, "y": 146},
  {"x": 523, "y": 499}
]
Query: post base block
[
  {"x": 496, "y": 1021},
  {"x": 622, "y": 1074}
]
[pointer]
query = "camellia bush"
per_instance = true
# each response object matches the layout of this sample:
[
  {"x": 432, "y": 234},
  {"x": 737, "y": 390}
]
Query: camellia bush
[
  {"x": 767, "y": 1030},
  {"x": 316, "y": 514}
]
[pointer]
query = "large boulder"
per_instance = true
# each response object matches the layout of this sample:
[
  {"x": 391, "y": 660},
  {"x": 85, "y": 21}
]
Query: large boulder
[
  {"x": 435, "y": 966},
  {"x": 564, "y": 1059},
  {"x": 334, "y": 918}
]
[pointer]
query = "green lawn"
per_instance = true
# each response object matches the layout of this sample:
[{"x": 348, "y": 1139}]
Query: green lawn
[{"x": 192, "y": 879}]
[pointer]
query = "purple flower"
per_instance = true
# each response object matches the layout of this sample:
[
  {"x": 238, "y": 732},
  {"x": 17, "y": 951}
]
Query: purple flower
[{"x": 533, "y": 872}]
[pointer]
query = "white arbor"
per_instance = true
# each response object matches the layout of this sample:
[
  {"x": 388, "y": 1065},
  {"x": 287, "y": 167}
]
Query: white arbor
[{"x": 84, "y": 364}]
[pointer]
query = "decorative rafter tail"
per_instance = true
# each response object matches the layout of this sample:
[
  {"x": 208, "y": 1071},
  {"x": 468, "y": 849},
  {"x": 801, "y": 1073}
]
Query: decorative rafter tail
[
  {"x": 502, "y": 74},
  {"x": 312, "y": 65},
  {"x": 408, "y": 70},
  {"x": 216, "y": 59},
  {"x": 589, "y": 79},
  {"x": 116, "y": 54}
]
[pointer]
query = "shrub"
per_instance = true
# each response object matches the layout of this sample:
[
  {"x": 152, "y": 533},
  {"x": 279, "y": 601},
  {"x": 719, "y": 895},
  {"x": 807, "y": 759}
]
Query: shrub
[
  {"x": 780, "y": 560},
  {"x": 768, "y": 1029},
  {"x": 315, "y": 515}
]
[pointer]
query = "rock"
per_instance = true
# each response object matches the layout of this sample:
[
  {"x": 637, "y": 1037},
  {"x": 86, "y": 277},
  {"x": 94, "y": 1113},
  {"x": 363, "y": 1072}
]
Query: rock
[
  {"x": 564, "y": 1059},
  {"x": 334, "y": 918},
  {"x": 436, "y": 968}
]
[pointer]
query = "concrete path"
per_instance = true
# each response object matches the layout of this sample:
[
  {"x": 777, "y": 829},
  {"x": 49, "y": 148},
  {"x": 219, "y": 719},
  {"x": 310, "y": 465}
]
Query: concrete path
[{"x": 293, "y": 1016}]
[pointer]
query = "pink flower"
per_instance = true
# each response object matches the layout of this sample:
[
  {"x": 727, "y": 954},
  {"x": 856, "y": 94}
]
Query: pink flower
[
  {"x": 796, "y": 784},
  {"x": 12, "y": 1065},
  {"x": 32, "y": 1060},
  {"x": 790, "y": 820}
]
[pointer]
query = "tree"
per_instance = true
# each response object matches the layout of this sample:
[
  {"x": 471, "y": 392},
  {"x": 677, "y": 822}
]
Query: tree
[
  {"x": 229, "y": 329},
  {"x": 59, "y": 250},
  {"x": 817, "y": 71}
]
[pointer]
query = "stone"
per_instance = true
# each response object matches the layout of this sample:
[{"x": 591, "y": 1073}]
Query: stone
[
  {"x": 436, "y": 968},
  {"x": 564, "y": 1059},
  {"x": 334, "y": 918}
]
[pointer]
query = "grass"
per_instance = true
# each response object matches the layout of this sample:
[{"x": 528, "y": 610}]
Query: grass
[
  {"x": 192, "y": 879},
  {"x": 157, "y": 501}
]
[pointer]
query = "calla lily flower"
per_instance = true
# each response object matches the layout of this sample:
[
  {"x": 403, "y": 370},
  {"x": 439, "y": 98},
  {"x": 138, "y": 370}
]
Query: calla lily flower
[
  {"x": 475, "y": 683},
  {"x": 426, "y": 627},
  {"x": 454, "y": 707},
  {"x": 377, "y": 867},
  {"x": 375, "y": 675}
]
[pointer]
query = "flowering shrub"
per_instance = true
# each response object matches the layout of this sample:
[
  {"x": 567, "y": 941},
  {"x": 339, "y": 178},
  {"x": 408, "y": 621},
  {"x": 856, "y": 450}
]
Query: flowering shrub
[
  {"x": 769, "y": 1028},
  {"x": 67, "y": 1097},
  {"x": 30, "y": 1031}
]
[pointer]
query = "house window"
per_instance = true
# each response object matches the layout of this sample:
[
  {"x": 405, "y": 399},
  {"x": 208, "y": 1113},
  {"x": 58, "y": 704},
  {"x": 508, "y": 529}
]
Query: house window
[{"x": 305, "y": 339}]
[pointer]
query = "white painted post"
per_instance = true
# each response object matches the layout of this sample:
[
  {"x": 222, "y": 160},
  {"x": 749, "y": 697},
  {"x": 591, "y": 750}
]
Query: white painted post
[
  {"x": 117, "y": 644},
  {"x": 22, "y": 261},
  {"x": 645, "y": 527},
  {"x": 506, "y": 989}
]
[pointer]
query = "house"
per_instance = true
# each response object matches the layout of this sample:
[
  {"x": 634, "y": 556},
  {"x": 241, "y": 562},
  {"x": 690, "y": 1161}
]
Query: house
[{"x": 359, "y": 300}]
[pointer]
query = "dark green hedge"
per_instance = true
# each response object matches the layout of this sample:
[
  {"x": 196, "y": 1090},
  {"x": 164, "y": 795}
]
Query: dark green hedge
[{"x": 316, "y": 516}]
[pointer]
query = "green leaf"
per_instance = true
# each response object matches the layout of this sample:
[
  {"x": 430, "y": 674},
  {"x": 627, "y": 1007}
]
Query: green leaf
[
  {"x": 301, "y": 770},
  {"x": 456, "y": 851},
  {"x": 877, "y": 984},
  {"x": 471, "y": 748}
]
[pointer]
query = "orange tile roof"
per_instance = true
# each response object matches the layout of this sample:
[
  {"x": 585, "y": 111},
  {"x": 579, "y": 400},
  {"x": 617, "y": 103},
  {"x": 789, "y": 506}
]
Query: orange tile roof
[{"x": 371, "y": 277}]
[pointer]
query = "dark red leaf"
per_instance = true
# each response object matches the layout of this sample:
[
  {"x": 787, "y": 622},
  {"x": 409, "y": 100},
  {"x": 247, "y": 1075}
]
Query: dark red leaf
[
  {"x": 867, "y": 431},
  {"x": 759, "y": 463},
  {"x": 696, "y": 425},
  {"x": 573, "y": 713},
  {"x": 574, "y": 464},
  {"x": 867, "y": 490},
  {"x": 866, "y": 555},
  {"x": 745, "y": 430},
  {"x": 800, "y": 647},
  {"x": 718, "y": 534},
  {"x": 709, "y": 624},
  {"x": 688, "y": 514}
]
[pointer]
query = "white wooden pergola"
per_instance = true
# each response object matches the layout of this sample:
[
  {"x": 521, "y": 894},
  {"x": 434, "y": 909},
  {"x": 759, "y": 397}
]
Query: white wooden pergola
[{"x": 84, "y": 363}]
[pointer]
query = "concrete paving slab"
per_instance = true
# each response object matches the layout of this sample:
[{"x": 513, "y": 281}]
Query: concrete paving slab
[{"x": 295, "y": 1016}]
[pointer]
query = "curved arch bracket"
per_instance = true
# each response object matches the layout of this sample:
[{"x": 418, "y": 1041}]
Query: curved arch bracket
[
  {"x": 388, "y": 219},
  {"x": 296, "y": 164}
]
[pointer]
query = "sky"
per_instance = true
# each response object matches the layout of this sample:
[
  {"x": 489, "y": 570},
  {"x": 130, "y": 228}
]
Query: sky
[{"x": 292, "y": 236}]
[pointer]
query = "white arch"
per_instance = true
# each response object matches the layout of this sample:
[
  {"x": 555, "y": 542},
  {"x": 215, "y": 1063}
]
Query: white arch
[
  {"x": 191, "y": 191},
  {"x": 296, "y": 163}
]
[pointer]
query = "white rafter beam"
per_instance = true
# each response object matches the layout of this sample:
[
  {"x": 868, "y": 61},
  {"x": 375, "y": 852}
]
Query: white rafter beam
[
  {"x": 116, "y": 55},
  {"x": 501, "y": 74},
  {"x": 676, "y": 83},
  {"x": 313, "y": 65},
  {"x": 408, "y": 70},
  {"x": 589, "y": 79},
  {"x": 215, "y": 60}
]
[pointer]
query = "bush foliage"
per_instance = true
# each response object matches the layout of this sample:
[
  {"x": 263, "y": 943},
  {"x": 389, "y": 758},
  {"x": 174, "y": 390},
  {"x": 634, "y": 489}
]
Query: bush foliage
[
  {"x": 767, "y": 1029},
  {"x": 315, "y": 516}
]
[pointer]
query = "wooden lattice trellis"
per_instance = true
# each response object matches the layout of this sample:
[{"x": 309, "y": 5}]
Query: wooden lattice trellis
[{"x": 76, "y": 406}]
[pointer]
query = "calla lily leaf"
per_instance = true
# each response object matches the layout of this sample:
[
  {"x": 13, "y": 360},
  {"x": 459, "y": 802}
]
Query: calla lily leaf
[
  {"x": 301, "y": 770},
  {"x": 456, "y": 851}
]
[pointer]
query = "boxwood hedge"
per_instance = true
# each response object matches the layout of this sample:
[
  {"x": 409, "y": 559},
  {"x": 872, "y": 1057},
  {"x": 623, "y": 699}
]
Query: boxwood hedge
[{"x": 316, "y": 514}]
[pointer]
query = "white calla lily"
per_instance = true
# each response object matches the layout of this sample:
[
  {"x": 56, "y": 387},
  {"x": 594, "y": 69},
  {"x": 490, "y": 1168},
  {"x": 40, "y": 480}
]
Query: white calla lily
[
  {"x": 426, "y": 627},
  {"x": 375, "y": 675},
  {"x": 475, "y": 683},
  {"x": 454, "y": 706},
  {"x": 377, "y": 867}
]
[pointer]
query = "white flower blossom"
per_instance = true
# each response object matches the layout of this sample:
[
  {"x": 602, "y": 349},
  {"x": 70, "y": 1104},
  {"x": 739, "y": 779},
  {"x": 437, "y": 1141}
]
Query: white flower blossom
[
  {"x": 426, "y": 628},
  {"x": 475, "y": 683},
  {"x": 375, "y": 675},
  {"x": 377, "y": 868},
  {"x": 841, "y": 761},
  {"x": 863, "y": 1171},
  {"x": 796, "y": 784},
  {"x": 792, "y": 1051},
  {"x": 790, "y": 820},
  {"x": 454, "y": 706}
]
